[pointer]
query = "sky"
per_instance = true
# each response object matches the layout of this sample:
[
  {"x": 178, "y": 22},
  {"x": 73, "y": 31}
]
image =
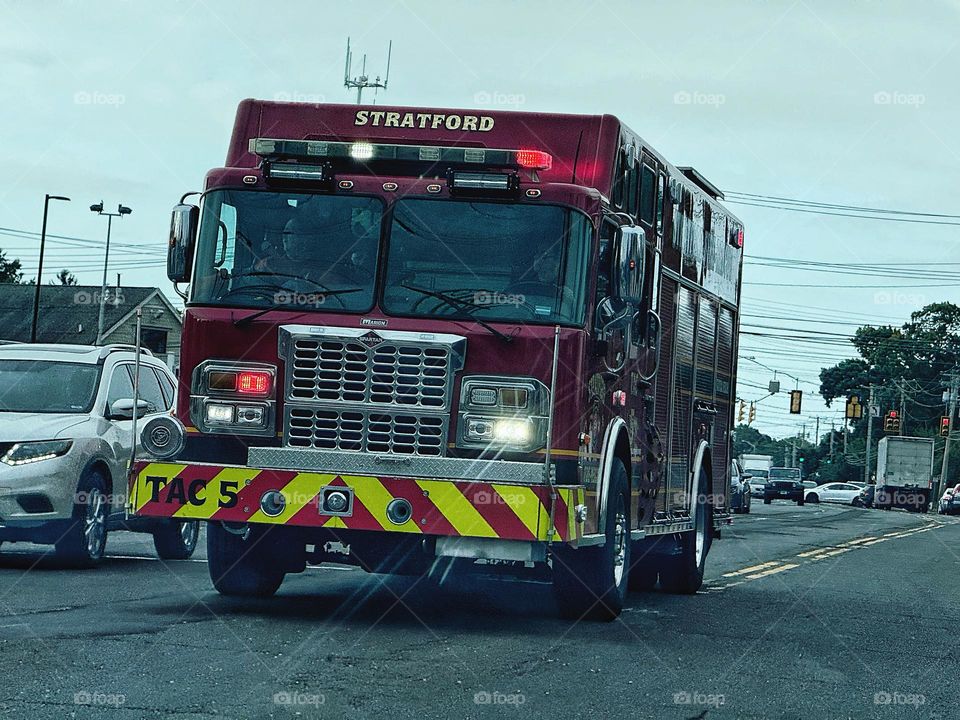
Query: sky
[{"x": 847, "y": 103}]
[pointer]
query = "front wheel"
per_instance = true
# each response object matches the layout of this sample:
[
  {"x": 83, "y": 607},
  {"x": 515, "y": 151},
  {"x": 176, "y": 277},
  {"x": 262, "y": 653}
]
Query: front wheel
[
  {"x": 767, "y": 501},
  {"x": 242, "y": 564},
  {"x": 591, "y": 582},
  {"x": 85, "y": 539},
  {"x": 682, "y": 573},
  {"x": 176, "y": 540}
]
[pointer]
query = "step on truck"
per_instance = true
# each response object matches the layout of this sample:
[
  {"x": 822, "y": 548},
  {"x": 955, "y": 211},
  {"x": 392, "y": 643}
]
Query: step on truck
[
  {"x": 904, "y": 473},
  {"x": 421, "y": 340}
]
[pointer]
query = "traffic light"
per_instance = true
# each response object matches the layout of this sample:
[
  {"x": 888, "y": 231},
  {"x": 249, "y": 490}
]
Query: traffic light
[
  {"x": 796, "y": 397},
  {"x": 944, "y": 426},
  {"x": 741, "y": 411},
  {"x": 891, "y": 423},
  {"x": 753, "y": 413}
]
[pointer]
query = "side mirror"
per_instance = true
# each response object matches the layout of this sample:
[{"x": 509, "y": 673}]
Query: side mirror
[
  {"x": 626, "y": 271},
  {"x": 123, "y": 409},
  {"x": 183, "y": 233}
]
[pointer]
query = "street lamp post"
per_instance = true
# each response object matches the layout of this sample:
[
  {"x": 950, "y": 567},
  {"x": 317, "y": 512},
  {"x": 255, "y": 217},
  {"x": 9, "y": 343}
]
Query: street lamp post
[
  {"x": 121, "y": 211},
  {"x": 43, "y": 242}
]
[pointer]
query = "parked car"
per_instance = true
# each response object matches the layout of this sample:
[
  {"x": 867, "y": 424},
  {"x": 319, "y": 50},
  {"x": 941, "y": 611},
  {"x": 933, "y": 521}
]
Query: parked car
[
  {"x": 950, "y": 501},
  {"x": 758, "y": 478},
  {"x": 66, "y": 422},
  {"x": 839, "y": 492},
  {"x": 739, "y": 489},
  {"x": 783, "y": 484},
  {"x": 865, "y": 497}
]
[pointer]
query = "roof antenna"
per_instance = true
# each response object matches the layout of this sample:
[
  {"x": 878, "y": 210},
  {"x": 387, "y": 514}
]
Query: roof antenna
[{"x": 363, "y": 81}]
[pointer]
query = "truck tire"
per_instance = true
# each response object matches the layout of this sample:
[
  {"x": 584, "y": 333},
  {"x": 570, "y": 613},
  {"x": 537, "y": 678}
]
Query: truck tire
[
  {"x": 242, "y": 565},
  {"x": 591, "y": 582},
  {"x": 85, "y": 538},
  {"x": 767, "y": 501},
  {"x": 682, "y": 573},
  {"x": 176, "y": 540}
]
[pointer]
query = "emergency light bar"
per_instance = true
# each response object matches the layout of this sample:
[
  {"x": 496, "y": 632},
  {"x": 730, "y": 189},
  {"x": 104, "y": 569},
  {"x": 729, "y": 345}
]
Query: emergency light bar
[{"x": 360, "y": 150}]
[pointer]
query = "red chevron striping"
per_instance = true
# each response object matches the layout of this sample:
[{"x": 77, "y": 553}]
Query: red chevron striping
[{"x": 496, "y": 512}]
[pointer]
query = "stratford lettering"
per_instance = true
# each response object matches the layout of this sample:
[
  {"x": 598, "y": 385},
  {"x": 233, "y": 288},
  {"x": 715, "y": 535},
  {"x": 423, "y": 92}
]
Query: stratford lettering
[{"x": 383, "y": 118}]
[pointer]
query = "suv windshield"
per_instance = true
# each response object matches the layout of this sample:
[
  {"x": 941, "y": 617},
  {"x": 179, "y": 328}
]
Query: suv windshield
[
  {"x": 492, "y": 261},
  {"x": 305, "y": 251},
  {"x": 784, "y": 474},
  {"x": 32, "y": 386}
]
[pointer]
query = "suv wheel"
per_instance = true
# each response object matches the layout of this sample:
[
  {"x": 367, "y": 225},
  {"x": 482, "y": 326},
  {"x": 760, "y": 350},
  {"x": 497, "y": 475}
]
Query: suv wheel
[
  {"x": 177, "y": 539},
  {"x": 86, "y": 537}
]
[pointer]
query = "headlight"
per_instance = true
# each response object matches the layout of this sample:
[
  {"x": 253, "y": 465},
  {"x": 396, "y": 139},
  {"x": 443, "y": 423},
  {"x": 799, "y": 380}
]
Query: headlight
[
  {"x": 503, "y": 412},
  {"x": 31, "y": 452}
]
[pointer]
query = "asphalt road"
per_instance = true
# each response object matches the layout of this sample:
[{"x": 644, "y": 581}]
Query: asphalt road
[{"x": 813, "y": 612}]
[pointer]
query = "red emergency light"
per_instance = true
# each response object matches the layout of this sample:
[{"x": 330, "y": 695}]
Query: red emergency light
[
  {"x": 534, "y": 159},
  {"x": 253, "y": 382}
]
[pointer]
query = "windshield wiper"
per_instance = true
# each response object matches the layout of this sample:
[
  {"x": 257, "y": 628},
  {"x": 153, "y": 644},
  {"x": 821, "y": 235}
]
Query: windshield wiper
[
  {"x": 463, "y": 308},
  {"x": 240, "y": 322}
]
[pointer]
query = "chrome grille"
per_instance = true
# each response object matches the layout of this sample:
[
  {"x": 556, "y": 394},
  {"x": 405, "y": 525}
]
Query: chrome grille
[
  {"x": 358, "y": 390},
  {"x": 340, "y": 371},
  {"x": 359, "y": 431}
]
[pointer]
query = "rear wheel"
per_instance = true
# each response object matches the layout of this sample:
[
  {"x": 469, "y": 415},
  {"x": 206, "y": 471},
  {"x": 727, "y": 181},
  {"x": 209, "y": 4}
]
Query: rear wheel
[
  {"x": 85, "y": 539},
  {"x": 592, "y": 582},
  {"x": 176, "y": 540},
  {"x": 813, "y": 498},
  {"x": 242, "y": 564},
  {"x": 767, "y": 501},
  {"x": 682, "y": 572}
]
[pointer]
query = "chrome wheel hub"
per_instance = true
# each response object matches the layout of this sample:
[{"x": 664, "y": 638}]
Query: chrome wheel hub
[
  {"x": 621, "y": 536},
  {"x": 95, "y": 523}
]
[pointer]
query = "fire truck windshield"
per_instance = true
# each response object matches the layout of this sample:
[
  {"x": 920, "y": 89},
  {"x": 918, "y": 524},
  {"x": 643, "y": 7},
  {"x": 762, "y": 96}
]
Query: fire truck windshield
[
  {"x": 495, "y": 261},
  {"x": 486, "y": 260},
  {"x": 306, "y": 251}
]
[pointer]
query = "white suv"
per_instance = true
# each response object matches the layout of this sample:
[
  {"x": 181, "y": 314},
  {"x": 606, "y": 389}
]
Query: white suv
[{"x": 66, "y": 416}]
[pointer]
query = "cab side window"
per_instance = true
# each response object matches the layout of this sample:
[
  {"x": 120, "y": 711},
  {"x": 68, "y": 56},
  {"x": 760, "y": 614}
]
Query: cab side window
[{"x": 167, "y": 386}]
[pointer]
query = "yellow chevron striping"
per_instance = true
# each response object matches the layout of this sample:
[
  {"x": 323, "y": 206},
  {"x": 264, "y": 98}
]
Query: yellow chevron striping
[
  {"x": 371, "y": 492},
  {"x": 525, "y": 504},
  {"x": 458, "y": 511},
  {"x": 298, "y": 493}
]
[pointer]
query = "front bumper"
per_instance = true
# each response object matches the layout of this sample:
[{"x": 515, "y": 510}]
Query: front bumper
[
  {"x": 54, "y": 480},
  {"x": 441, "y": 507}
]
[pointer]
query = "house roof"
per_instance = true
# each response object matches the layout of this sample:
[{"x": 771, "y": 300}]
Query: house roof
[{"x": 68, "y": 313}]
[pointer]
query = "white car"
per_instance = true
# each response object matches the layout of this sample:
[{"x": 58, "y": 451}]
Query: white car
[
  {"x": 838, "y": 492},
  {"x": 757, "y": 481},
  {"x": 66, "y": 417}
]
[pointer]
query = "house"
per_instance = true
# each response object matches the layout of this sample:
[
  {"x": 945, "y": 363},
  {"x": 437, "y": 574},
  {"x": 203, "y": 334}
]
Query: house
[{"x": 69, "y": 314}]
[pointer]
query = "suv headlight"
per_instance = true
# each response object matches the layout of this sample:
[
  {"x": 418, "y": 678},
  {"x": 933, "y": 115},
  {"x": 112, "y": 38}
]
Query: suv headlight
[
  {"x": 501, "y": 412},
  {"x": 24, "y": 453}
]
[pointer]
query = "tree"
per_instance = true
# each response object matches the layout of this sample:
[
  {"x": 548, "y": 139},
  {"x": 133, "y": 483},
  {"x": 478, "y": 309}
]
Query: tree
[
  {"x": 844, "y": 378},
  {"x": 65, "y": 277},
  {"x": 9, "y": 270}
]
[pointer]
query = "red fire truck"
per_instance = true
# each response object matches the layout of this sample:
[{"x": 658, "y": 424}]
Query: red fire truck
[{"x": 419, "y": 339}]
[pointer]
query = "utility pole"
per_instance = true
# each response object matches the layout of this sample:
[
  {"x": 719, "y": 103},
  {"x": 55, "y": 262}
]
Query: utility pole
[
  {"x": 866, "y": 460},
  {"x": 816, "y": 438},
  {"x": 954, "y": 386},
  {"x": 833, "y": 430}
]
